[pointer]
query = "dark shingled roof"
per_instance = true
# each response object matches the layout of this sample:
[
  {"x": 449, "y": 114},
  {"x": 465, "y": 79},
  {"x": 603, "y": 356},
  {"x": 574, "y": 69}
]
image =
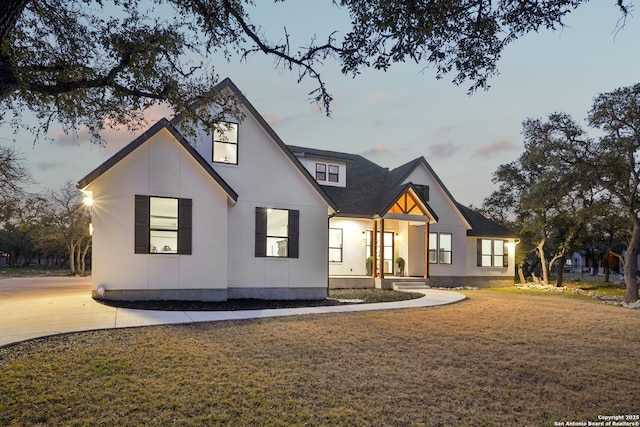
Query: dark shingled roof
[
  {"x": 372, "y": 189},
  {"x": 483, "y": 226},
  {"x": 367, "y": 189}
]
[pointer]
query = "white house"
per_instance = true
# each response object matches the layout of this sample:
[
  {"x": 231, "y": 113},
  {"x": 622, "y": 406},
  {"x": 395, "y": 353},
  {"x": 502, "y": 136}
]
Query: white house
[
  {"x": 204, "y": 219},
  {"x": 407, "y": 213}
]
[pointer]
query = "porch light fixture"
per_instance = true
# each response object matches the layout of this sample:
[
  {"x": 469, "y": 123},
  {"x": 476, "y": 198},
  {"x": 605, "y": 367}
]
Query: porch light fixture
[{"x": 88, "y": 197}]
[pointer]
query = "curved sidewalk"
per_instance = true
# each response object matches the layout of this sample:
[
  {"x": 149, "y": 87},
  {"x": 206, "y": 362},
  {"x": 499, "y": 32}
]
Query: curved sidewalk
[{"x": 26, "y": 316}]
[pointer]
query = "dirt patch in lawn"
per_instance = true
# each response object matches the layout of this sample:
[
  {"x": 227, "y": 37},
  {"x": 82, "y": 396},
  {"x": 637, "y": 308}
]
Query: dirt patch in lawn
[
  {"x": 336, "y": 297},
  {"x": 496, "y": 359}
]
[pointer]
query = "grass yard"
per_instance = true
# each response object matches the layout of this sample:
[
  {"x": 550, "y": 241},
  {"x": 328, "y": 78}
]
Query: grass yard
[{"x": 497, "y": 359}]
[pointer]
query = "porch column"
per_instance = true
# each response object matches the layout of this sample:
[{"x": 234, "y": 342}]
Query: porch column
[
  {"x": 374, "y": 247},
  {"x": 382, "y": 248},
  {"x": 426, "y": 250}
]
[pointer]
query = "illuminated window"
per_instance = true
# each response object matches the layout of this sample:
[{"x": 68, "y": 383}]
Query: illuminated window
[
  {"x": 225, "y": 143},
  {"x": 162, "y": 225},
  {"x": 277, "y": 232},
  {"x": 440, "y": 248},
  {"x": 335, "y": 245},
  {"x": 492, "y": 253}
]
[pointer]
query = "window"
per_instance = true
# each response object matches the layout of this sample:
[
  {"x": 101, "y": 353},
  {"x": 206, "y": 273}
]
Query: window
[
  {"x": 225, "y": 143},
  {"x": 333, "y": 173},
  {"x": 321, "y": 172},
  {"x": 433, "y": 251},
  {"x": 440, "y": 248},
  {"x": 335, "y": 245},
  {"x": 492, "y": 253},
  {"x": 332, "y": 176},
  {"x": 162, "y": 225},
  {"x": 277, "y": 233},
  {"x": 444, "y": 249}
]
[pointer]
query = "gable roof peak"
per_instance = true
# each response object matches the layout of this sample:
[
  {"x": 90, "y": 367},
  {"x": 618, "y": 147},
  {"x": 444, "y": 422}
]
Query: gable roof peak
[{"x": 161, "y": 124}]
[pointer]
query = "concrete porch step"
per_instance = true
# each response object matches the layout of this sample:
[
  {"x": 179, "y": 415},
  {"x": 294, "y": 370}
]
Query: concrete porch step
[{"x": 410, "y": 286}]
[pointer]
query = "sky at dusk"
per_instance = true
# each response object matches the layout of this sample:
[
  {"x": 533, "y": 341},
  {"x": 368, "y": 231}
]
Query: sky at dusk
[{"x": 395, "y": 116}]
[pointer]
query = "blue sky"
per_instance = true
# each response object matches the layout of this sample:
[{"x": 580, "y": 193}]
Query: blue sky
[{"x": 395, "y": 116}]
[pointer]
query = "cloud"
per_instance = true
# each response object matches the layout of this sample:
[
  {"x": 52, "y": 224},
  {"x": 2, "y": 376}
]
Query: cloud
[
  {"x": 275, "y": 119},
  {"x": 443, "y": 131},
  {"x": 68, "y": 139},
  {"x": 115, "y": 135},
  {"x": 442, "y": 151},
  {"x": 376, "y": 151},
  {"x": 46, "y": 166},
  {"x": 272, "y": 118},
  {"x": 377, "y": 98},
  {"x": 496, "y": 147}
]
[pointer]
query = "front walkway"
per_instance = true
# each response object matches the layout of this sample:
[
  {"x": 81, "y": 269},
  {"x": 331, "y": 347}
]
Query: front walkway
[{"x": 26, "y": 314}]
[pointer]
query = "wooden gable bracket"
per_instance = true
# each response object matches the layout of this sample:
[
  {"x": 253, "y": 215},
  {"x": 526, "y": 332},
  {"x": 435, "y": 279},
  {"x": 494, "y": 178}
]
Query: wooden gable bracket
[{"x": 407, "y": 204}]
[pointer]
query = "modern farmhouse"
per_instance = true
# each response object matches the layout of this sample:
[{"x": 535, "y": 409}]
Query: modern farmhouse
[{"x": 199, "y": 219}]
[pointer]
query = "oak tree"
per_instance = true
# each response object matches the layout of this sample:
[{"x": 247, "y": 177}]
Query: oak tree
[{"x": 97, "y": 63}]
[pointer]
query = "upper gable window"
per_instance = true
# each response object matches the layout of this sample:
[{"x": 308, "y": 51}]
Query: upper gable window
[
  {"x": 327, "y": 173},
  {"x": 225, "y": 143},
  {"x": 334, "y": 173},
  {"x": 321, "y": 172}
]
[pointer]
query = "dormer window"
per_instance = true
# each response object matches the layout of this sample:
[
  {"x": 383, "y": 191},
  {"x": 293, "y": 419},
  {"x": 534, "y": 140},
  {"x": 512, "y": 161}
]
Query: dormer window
[
  {"x": 225, "y": 143},
  {"x": 333, "y": 174}
]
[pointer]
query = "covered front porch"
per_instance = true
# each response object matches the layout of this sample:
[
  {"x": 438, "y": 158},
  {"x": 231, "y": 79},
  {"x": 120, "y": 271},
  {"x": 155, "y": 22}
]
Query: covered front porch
[{"x": 375, "y": 253}]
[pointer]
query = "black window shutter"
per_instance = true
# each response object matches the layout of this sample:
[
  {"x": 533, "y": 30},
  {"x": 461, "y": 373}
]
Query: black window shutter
[
  {"x": 141, "y": 234},
  {"x": 261, "y": 232},
  {"x": 479, "y": 252},
  {"x": 505, "y": 257},
  {"x": 184, "y": 226},
  {"x": 294, "y": 233}
]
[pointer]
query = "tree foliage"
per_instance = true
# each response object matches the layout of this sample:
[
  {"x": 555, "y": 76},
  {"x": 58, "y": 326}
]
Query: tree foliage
[
  {"x": 13, "y": 176},
  {"x": 97, "y": 63},
  {"x": 600, "y": 172},
  {"x": 546, "y": 201}
]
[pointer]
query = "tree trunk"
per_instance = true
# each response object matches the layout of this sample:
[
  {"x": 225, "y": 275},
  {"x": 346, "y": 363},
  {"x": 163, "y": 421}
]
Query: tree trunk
[
  {"x": 562, "y": 260},
  {"x": 605, "y": 264},
  {"x": 543, "y": 261},
  {"x": 83, "y": 255},
  {"x": 631, "y": 264},
  {"x": 521, "y": 274},
  {"x": 72, "y": 258}
]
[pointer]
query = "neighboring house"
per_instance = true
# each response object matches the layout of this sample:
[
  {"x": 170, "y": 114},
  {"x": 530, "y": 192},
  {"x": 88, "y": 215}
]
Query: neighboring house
[
  {"x": 408, "y": 213},
  {"x": 207, "y": 219}
]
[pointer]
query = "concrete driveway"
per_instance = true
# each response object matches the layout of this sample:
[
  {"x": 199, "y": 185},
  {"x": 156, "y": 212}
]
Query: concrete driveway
[
  {"x": 35, "y": 307},
  {"x": 42, "y": 306}
]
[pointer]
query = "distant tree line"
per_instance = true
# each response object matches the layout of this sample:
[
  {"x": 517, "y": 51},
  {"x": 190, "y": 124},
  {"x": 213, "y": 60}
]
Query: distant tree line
[
  {"x": 47, "y": 229},
  {"x": 571, "y": 191}
]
